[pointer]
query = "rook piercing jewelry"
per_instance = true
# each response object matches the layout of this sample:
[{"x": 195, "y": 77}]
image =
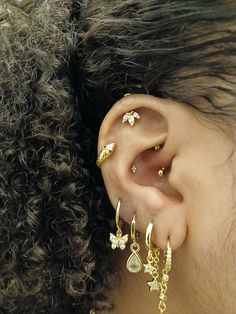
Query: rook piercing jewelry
[
  {"x": 105, "y": 153},
  {"x": 134, "y": 262},
  {"x": 165, "y": 278},
  {"x": 161, "y": 172},
  {"x": 127, "y": 94},
  {"x": 118, "y": 241},
  {"x": 152, "y": 266},
  {"x": 130, "y": 117},
  {"x": 134, "y": 168}
]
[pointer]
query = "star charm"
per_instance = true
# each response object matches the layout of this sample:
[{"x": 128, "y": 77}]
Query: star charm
[
  {"x": 153, "y": 285},
  {"x": 148, "y": 268},
  {"x": 130, "y": 117}
]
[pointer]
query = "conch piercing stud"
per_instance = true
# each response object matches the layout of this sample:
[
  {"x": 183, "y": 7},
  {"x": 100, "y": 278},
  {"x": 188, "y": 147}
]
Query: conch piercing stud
[
  {"x": 161, "y": 172},
  {"x": 134, "y": 262},
  {"x": 105, "y": 153},
  {"x": 118, "y": 241},
  {"x": 134, "y": 168},
  {"x": 130, "y": 117}
]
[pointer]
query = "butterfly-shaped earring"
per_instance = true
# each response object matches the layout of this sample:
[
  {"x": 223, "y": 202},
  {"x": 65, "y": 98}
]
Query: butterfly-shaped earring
[{"x": 118, "y": 240}]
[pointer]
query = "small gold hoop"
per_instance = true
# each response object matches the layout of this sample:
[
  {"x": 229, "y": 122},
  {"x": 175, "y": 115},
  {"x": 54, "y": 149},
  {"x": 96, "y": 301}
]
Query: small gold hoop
[
  {"x": 133, "y": 229},
  {"x": 148, "y": 239},
  {"x": 118, "y": 225}
]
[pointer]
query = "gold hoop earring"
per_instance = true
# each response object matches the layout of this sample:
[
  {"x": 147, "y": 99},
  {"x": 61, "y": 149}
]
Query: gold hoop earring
[
  {"x": 152, "y": 266},
  {"x": 105, "y": 153},
  {"x": 134, "y": 262},
  {"x": 165, "y": 278},
  {"x": 118, "y": 241}
]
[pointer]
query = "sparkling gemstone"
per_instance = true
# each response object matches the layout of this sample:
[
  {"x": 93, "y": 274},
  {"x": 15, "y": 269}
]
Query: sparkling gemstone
[
  {"x": 165, "y": 278},
  {"x": 134, "y": 263}
]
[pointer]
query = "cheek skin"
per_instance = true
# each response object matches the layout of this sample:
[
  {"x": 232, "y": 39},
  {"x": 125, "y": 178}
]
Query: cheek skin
[{"x": 206, "y": 183}]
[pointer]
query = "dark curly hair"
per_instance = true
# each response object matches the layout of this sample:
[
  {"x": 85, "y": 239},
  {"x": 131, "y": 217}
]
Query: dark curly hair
[{"x": 62, "y": 68}]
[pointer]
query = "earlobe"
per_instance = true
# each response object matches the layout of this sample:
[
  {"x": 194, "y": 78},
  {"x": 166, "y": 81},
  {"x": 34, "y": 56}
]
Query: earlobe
[{"x": 138, "y": 171}]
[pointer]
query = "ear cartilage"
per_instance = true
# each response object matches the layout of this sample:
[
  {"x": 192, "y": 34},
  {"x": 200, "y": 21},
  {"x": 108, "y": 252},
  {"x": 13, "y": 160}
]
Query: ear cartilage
[
  {"x": 134, "y": 168},
  {"x": 105, "y": 153},
  {"x": 130, "y": 117},
  {"x": 161, "y": 172}
]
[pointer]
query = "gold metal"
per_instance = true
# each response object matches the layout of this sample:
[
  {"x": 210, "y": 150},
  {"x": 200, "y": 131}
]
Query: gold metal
[
  {"x": 157, "y": 148},
  {"x": 165, "y": 278},
  {"x": 130, "y": 117},
  {"x": 134, "y": 262},
  {"x": 127, "y": 94},
  {"x": 134, "y": 168},
  {"x": 105, "y": 153},
  {"x": 118, "y": 240},
  {"x": 161, "y": 172},
  {"x": 152, "y": 266},
  {"x": 92, "y": 311}
]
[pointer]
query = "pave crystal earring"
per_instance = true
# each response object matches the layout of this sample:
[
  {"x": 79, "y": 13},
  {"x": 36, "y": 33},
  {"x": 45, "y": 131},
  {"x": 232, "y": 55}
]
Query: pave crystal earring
[
  {"x": 134, "y": 262},
  {"x": 152, "y": 266},
  {"x": 165, "y": 278},
  {"x": 118, "y": 240},
  {"x": 130, "y": 117}
]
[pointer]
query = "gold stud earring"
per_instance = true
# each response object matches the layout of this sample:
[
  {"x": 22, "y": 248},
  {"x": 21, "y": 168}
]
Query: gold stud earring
[
  {"x": 130, "y": 117},
  {"x": 161, "y": 172},
  {"x": 134, "y": 262},
  {"x": 105, "y": 153},
  {"x": 134, "y": 168},
  {"x": 118, "y": 240},
  {"x": 152, "y": 266},
  {"x": 165, "y": 278}
]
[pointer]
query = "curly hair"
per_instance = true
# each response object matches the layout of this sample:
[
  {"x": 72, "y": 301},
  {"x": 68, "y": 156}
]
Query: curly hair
[
  {"x": 61, "y": 71},
  {"x": 48, "y": 261}
]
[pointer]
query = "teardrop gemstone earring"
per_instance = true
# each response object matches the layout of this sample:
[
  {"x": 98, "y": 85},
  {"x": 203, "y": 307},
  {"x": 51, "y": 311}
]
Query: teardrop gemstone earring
[{"x": 134, "y": 263}]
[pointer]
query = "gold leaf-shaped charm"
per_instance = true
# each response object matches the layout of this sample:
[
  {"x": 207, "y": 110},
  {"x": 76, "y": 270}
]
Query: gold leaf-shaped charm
[{"x": 134, "y": 263}]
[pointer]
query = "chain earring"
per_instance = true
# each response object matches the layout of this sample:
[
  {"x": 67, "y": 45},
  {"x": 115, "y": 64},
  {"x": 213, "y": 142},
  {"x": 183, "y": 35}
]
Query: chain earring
[
  {"x": 134, "y": 262},
  {"x": 165, "y": 278},
  {"x": 118, "y": 240},
  {"x": 152, "y": 266}
]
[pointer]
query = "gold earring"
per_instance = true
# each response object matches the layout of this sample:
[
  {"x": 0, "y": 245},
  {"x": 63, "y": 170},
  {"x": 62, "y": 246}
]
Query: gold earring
[
  {"x": 130, "y": 117},
  {"x": 134, "y": 262},
  {"x": 105, "y": 153},
  {"x": 161, "y": 172},
  {"x": 152, "y": 266},
  {"x": 165, "y": 278},
  {"x": 134, "y": 168},
  {"x": 127, "y": 94},
  {"x": 157, "y": 148},
  {"x": 118, "y": 241}
]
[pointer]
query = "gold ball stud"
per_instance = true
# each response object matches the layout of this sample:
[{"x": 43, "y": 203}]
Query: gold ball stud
[{"x": 161, "y": 172}]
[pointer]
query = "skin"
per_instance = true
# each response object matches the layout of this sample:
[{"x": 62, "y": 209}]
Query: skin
[{"x": 192, "y": 205}]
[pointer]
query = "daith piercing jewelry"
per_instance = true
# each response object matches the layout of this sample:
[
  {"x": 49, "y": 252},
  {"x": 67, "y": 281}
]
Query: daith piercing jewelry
[
  {"x": 105, "y": 153},
  {"x": 161, "y": 172},
  {"x": 118, "y": 240},
  {"x": 130, "y": 117},
  {"x": 134, "y": 262}
]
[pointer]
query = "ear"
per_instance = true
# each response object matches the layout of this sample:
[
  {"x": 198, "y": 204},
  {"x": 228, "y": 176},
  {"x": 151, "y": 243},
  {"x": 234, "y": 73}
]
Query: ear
[{"x": 153, "y": 198}]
